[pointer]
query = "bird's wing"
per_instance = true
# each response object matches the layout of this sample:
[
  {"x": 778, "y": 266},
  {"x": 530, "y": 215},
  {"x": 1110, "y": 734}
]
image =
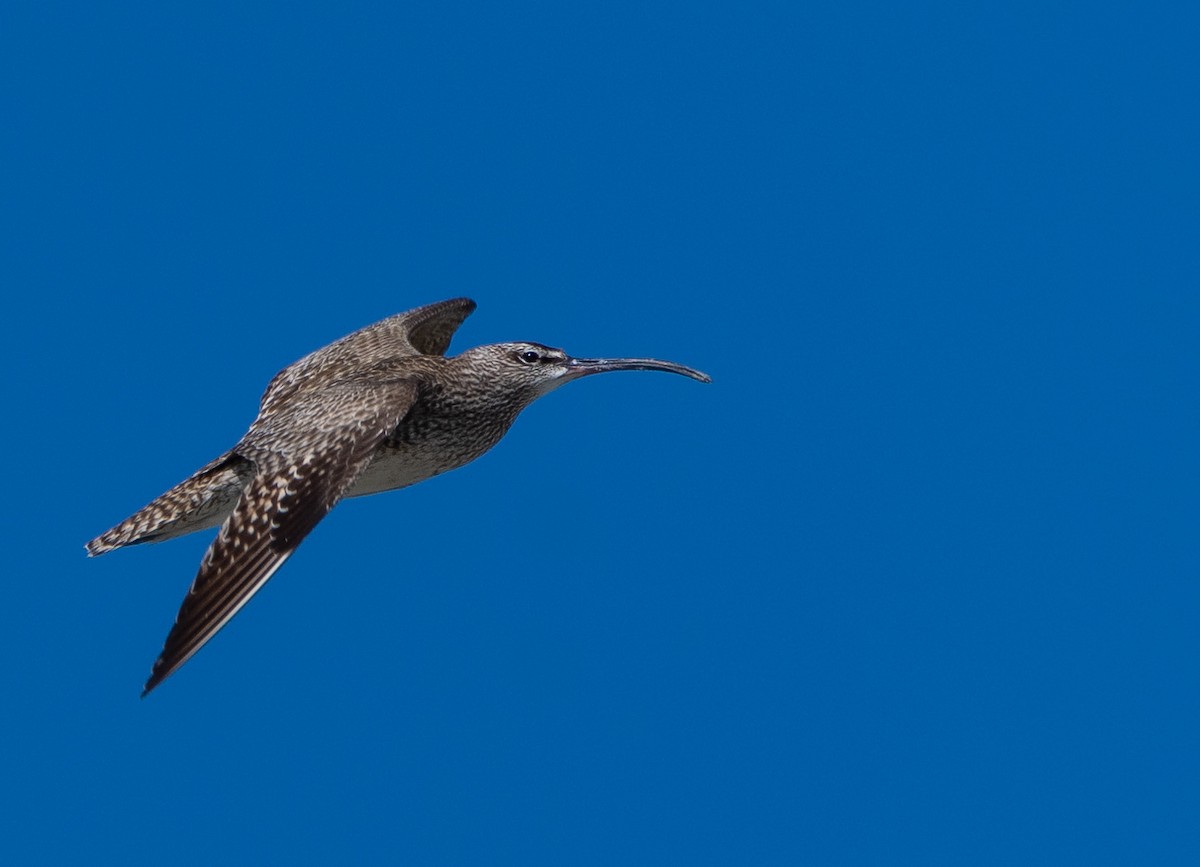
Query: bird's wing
[
  {"x": 421, "y": 331},
  {"x": 430, "y": 328},
  {"x": 191, "y": 505},
  {"x": 424, "y": 331},
  {"x": 305, "y": 459}
]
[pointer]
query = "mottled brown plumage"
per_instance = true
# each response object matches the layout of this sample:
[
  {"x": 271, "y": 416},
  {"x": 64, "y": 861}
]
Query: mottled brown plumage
[{"x": 380, "y": 409}]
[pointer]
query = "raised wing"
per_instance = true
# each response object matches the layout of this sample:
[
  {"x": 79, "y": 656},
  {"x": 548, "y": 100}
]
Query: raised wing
[
  {"x": 305, "y": 459},
  {"x": 423, "y": 331},
  {"x": 430, "y": 328}
]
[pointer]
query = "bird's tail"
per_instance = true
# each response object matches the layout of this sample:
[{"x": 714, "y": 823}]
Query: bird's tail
[{"x": 200, "y": 501}]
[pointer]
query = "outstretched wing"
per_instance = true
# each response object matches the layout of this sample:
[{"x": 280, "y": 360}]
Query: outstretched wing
[
  {"x": 305, "y": 459},
  {"x": 196, "y": 503}
]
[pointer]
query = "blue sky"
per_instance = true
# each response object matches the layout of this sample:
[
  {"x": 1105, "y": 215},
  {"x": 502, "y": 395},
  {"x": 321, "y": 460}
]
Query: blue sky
[{"x": 914, "y": 580}]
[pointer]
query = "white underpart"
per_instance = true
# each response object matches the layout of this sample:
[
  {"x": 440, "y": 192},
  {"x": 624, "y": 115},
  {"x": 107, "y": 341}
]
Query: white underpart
[
  {"x": 548, "y": 385},
  {"x": 386, "y": 472}
]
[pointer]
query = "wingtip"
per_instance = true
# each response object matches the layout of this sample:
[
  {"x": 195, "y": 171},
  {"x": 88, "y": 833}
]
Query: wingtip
[
  {"x": 152, "y": 682},
  {"x": 159, "y": 672},
  {"x": 467, "y": 305},
  {"x": 462, "y": 302},
  {"x": 102, "y": 544}
]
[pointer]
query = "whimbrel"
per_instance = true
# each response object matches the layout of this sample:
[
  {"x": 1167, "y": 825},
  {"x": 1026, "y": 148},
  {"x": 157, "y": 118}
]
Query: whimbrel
[{"x": 379, "y": 409}]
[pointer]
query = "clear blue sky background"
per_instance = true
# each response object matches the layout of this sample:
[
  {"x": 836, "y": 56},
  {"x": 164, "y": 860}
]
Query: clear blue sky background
[{"x": 913, "y": 581}]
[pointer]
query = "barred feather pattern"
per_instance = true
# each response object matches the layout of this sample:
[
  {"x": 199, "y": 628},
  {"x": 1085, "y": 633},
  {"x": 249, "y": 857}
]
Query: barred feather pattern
[
  {"x": 305, "y": 459},
  {"x": 200, "y": 501},
  {"x": 377, "y": 410}
]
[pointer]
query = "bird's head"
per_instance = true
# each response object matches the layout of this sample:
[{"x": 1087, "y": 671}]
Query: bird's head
[{"x": 532, "y": 369}]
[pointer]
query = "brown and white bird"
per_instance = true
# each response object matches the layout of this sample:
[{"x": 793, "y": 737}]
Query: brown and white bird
[{"x": 379, "y": 409}]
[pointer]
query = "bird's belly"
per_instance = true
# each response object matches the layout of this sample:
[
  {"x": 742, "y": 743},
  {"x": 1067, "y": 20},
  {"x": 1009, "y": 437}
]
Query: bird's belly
[{"x": 392, "y": 468}]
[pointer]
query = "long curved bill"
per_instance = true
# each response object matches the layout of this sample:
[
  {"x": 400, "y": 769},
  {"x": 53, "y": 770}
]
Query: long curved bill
[{"x": 585, "y": 366}]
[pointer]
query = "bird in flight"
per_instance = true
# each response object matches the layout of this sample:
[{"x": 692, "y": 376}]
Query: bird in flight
[{"x": 379, "y": 409}]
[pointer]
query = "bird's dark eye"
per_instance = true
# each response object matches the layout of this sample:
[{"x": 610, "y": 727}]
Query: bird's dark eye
[{"x": 530, "y": 356}]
